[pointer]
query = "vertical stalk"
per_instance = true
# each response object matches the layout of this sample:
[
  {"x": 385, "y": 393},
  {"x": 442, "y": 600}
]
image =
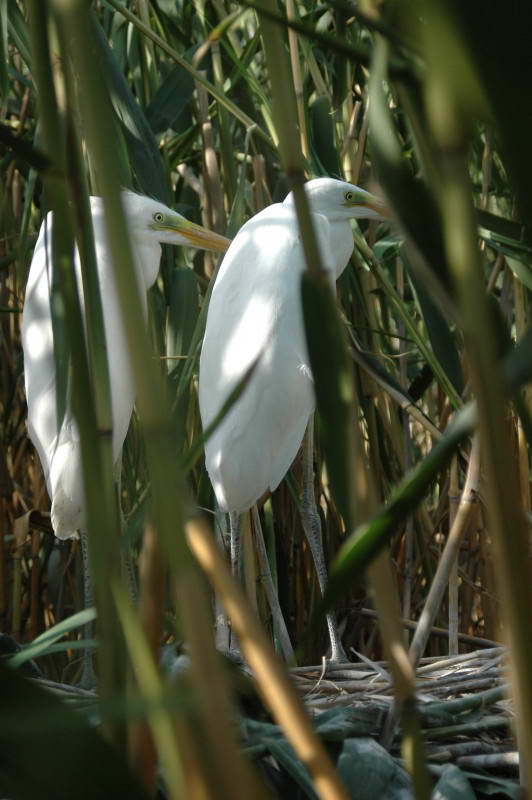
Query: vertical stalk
[
  {"x": 298, "y": 79},
  {"x": 440, "y": 581},
  {"x": 453, "y": 575},
  {"x": 285, "y": 120},
  {"x": 35, "y": 581},
  {"x": 3, "y": 570},
  {"x": 226, "y": 145},
  {"x": 407, "y": 461},
  {"x": 20, "y": 534},
  {"x": 249, "y": 564},
  {"x": 508, "y": 526},
  {"x": 520, "y": 309},
  {"x": 101, "y": 511},
  {"x": 386, "y": 602},
  {"x": 212, "y": 196}
]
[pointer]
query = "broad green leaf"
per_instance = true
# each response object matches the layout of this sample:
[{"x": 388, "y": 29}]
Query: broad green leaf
[
  {"x": 369, "y": 771},
  {"x": 520, "y": 269},
  {"x": 493, "y": 227},
  {"x": 143, "y": 154},
  {"x": 285, "y": 756},
  {"x": 411, "y": 199},
  {"x": 50, "y": 752},
  {"x": 171, "y": 101},
  {"x": 42, "y": 644},
  {"x": 333, "y": 382},
  {"x": 4, "y": 77},
  {"x": 182, "y": 314},
  {"x": 486, "y": 784},
  {"x": 453, "y": 785},
  {"x": 441, "y": 336},
  {"x": 181, "y": 318},
  {"x": 322, "y": 137}
]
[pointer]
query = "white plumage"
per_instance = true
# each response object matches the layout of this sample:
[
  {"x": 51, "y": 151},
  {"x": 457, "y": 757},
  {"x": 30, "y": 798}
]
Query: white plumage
[
  {"x": 58, "y": 447},
  {"x": 255, "y": 312}
]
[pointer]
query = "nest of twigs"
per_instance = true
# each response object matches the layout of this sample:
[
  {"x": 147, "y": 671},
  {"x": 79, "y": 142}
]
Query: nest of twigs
[{"x": 465, "y": 713}]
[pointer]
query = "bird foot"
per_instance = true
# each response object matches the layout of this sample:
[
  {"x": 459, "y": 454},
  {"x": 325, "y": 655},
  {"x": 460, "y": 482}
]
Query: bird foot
[
  {"x": 88, "y": 678},
  {"x": 338, "y": 656},
  {"x": 234, "y": 655}
]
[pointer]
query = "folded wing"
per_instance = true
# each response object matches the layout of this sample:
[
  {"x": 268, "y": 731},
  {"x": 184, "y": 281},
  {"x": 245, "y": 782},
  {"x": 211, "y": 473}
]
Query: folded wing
[{"x": 255, "y": 314}]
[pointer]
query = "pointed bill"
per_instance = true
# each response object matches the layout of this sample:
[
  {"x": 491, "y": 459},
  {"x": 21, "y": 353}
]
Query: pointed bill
[{"x": 195, "y": 235}]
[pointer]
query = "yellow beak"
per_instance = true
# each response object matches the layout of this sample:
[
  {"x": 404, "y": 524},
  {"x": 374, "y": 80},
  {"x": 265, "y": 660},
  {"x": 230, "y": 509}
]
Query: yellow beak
[
  {"x": 208, "y": 240},
  {"x": 377, "y": 206},
  {"x": 373, "y": 203},
  {"x": 198, "y": 236}
]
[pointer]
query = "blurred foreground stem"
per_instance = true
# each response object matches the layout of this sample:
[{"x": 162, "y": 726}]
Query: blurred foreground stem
[
  {"x": 508, "y": 526},
  {"x": 102, "y": 517},
  {"x": 386, "y": 601},
  {"x": 285, "y": 119}
]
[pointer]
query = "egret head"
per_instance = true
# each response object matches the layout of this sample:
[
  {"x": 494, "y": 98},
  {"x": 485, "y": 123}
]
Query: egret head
[
  {"x": 153, "y": 222},
  {"x": 338, "y": 200}
]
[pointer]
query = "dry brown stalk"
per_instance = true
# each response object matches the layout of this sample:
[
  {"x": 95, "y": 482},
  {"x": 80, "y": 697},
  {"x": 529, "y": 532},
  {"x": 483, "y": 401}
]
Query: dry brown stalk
[
  {"x": 453, "y": 576},
  {"x": 468, "y": 502},
  {"x": 298, "y": 80},
  {"x": 435, "y": 631},
  {"x": 212, "y": 197}
]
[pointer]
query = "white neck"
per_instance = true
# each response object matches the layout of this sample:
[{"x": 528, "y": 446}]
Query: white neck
[
  {"x": 342, "y": 244},
  {"x": 147, "y": 262}
]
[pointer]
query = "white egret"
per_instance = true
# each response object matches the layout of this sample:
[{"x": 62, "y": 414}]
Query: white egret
[
  {"x": 150, "y": 223},
  {"x": 255, "y": 314}
]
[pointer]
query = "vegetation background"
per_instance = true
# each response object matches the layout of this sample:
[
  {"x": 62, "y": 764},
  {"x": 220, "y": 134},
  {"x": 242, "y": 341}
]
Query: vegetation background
[{"x": 218, "y": 109}]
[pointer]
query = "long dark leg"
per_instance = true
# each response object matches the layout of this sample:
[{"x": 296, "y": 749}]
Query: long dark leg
[
  {"x": 235, "y": 522},
  {"x": 88, "y": 677},
  {"x": 223, "y": 630},
  {"x": 128, "y": 567},
  {"x": 269, "y": 588},
  {"x": 312, "y": 527},
  {"x": 234, "y": 527}
]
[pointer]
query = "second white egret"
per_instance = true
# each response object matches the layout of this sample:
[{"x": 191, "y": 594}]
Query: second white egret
[
  {"x": 150, "y": 224},
  {"x": 57, "y": 442}
]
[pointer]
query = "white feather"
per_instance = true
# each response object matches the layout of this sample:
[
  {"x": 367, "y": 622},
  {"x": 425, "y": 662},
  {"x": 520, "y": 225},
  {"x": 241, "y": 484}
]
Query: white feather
[
  {"x": 255, "y": 312},
  {"x": 57, "y": 445}
]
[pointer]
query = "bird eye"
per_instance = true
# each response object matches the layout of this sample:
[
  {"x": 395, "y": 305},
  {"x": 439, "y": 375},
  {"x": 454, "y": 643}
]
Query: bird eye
[
  {"x": 349, "y": 196},
  {"x": 158, "y": 217}
]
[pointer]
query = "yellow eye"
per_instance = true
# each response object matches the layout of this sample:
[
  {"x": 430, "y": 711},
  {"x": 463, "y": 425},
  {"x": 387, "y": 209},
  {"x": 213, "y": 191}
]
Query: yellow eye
[
  {"x": 349, "y": 196},
  {"x": 158, "y": 217}
]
